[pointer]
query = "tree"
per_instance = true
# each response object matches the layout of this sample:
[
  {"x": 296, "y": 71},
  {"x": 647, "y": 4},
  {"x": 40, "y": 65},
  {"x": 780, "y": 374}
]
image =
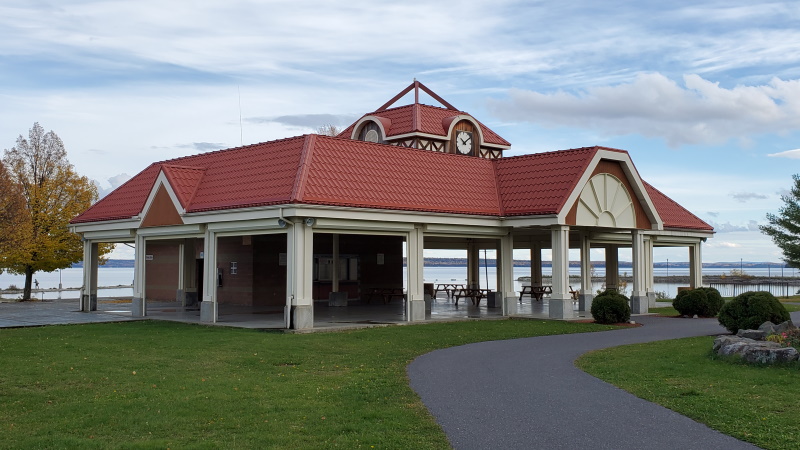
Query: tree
[
  {"x": 784, "y": 228},
  {"x": 329, "y": 130},
  {"x": 53, "y": 194},
  {"x": 13, "y": 218}
]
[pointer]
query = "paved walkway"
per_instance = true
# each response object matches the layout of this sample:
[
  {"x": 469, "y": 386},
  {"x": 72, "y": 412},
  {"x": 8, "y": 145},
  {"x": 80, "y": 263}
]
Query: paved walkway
[
  {"x": 527, "y": 393},
  {"x": 58, "y": 312}
]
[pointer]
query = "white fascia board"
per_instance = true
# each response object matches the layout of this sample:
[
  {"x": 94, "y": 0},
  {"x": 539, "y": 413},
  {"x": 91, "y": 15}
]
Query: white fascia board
[
  {"x": 171, "y": 231},
  {"x": 330, "y": 225},
  {"x": 124, "y": 235},
  {"x": 301, "y": 212},
  {"x": 679, "y": 238},
  {"x": 633, "y": 178},
  {"x": 252, "y": 225},
  {"x": 459, "y": 230},
  {"x": 531, "y": 221},
  {"x": 162, "y": 180},
  {"x": 108, "y": 225}
]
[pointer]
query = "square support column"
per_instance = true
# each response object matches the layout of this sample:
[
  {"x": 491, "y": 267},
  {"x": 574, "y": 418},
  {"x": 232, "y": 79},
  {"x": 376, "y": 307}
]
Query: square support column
[
  {"x": 612, "y": 267},
  {"x": 299, "y": 312},
  {"x": 536, "y": 264},
  {"x": 139, "y": 304},
  {"x": 209, "y": 310},
  {"x": 473, "y": 264},
  {"x": 585, "y": 296},
  {"x": 90, "y": 263},
  {"x": 640, "y": 304},
  {"x": 560, "y": 300},
  {"x": 695, "y": 265},
  {"x": 505, "y": 270},
  {"x": 649, "y": 281},
  {"x": 415, "y": 300}
]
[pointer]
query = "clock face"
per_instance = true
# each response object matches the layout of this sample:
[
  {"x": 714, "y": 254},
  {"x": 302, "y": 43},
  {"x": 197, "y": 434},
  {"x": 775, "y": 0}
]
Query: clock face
[{"x": 464, "y": 142}]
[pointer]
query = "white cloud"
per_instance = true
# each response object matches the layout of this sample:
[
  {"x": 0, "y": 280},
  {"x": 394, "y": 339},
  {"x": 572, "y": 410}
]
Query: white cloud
[
  {"x": 791, "y": 154},
  {"x": 727, "y": 227},
  {"x": 744, "y": 197},
  {"x": 697, "y": 112}
]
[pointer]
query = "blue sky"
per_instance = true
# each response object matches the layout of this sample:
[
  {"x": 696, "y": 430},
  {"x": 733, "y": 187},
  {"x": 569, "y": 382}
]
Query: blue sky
[{"x": 704, "y": 95}]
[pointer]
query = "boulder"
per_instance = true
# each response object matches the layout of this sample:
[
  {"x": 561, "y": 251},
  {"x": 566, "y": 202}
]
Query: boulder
[
  {"x": 758, "y": 335},
  {"x": 755, "y": 351}
]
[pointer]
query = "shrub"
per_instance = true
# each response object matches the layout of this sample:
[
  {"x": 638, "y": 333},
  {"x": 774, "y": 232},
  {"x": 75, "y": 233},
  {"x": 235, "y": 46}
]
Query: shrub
[
  {"x": 611, "y": 307},
  {"x": 702, "y": 301},
  {"x": 747, "y": 311}
]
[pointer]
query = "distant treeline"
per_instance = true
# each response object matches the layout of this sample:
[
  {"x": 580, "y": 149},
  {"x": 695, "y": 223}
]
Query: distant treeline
[{"x": 462, "y": 262}]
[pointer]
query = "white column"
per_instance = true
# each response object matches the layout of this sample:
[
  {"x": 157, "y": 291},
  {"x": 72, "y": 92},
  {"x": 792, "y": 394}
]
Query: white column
[
  {"x": 505, "y": 268},
  {"x": 90, "y": 263},
  {"x": 639, "y": 301},
  {"x": 139, "y": 304},
  {"x": 695, "y": 265},
  {"x": 299, "y": 276},
  {"x": 586, "y": 295},
  {"x": 415, "y": 303},
  {"x": 612, "y": 267},
  {"x": 209, "y": 310},
  {"x": 536, "y": 264},
  {"x": 649, "y": 283},
  {"x": 560, "y": 300}
]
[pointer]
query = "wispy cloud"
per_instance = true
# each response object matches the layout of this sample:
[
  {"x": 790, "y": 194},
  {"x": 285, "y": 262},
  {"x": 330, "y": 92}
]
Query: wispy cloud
[
  {"x": 744, "y": 197},
  {"x": 697, "y": 112},
  {"x": 203, "y": 146},
  {"x": 728, "y": 227},
  {"x": 306, "y": 120},
  {"x": 791, "y": 154}
]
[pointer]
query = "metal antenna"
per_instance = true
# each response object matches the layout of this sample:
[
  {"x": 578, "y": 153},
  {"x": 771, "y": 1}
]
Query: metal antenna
[{"x": 241, "y": 132}]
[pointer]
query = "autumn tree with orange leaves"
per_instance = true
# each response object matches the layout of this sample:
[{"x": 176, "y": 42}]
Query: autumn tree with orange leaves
[{"x": 52, "y": 193}]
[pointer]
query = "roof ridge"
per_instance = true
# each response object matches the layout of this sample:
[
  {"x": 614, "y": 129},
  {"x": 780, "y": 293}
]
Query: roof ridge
[
  {"x": 223, "y": 150},
  {"x": 302, "y": 170}
]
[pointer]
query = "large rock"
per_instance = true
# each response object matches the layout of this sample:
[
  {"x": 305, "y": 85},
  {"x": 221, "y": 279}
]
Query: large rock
[
  {"x": 758, "y": 335},
  {"x": 753, "y": 351}
]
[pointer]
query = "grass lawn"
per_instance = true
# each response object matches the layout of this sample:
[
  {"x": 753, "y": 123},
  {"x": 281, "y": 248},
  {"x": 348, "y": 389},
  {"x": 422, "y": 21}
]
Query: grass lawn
[
  {"x": 162, "y": 384},
  {"x": 754, "y": 404}
]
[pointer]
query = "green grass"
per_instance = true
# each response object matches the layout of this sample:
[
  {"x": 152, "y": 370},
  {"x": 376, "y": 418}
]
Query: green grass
[
  {"x": 161, "y": 384},
  {"x": 754, "y": 404}
]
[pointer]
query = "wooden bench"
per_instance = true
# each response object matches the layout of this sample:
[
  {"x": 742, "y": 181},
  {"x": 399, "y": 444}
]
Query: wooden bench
[
  {"x": 387, "y": 294},
  {"x": 536, "y": 292},
  {"x": 449, "y": 288},
  {"x": 473, "y": 294}
]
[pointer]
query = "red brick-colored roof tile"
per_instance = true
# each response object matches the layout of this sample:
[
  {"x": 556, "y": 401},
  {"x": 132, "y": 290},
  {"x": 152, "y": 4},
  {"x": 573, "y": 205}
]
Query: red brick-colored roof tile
[
  {"x": 541, "y": 182},
  {"x": 184, "y": 181},
  {"x": 352, "y": 173},
  {"x": 124, "y": 202}
]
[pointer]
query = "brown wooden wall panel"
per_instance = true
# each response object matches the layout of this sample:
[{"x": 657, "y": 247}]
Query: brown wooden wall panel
[{"x": 162, "y": 211}]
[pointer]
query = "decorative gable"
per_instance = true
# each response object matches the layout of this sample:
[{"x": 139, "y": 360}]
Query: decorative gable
[{"x": 161, "y": 210}]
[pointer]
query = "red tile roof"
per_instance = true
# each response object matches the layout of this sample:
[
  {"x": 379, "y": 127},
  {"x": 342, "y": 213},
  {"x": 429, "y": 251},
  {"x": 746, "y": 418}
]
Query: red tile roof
[
  {"x": 324, "y": 170},
  {"x": 540, "y": 183},
  {"x": 419, "y": 118},
  {"x": 673, "y": 214}
]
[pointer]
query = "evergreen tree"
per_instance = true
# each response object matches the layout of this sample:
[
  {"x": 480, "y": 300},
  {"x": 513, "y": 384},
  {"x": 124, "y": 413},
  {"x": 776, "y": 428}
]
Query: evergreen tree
[{"x": 784, "y": 227}]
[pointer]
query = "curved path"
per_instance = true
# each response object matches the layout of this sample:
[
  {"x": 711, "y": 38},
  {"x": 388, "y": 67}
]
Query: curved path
[{"x": 527, "y": 393}]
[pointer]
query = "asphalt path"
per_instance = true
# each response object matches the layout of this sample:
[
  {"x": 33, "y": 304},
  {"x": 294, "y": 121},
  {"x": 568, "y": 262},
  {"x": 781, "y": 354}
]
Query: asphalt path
[{"x": 527, "y": 393}]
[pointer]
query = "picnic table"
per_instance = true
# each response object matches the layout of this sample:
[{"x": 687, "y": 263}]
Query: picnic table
[
  {"x": 449, "y": 288},
  {"x": 536, "y": 292},
  {"x": 474, "y": 294},
  {"x": 387, "y": 294}
]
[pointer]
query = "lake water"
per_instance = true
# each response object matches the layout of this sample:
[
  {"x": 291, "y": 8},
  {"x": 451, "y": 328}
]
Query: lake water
[{"x": 73, "y": 278}]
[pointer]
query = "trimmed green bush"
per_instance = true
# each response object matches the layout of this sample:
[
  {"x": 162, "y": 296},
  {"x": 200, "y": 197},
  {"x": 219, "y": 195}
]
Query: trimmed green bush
[
  {"x": 703, "y": 301},
  {"x": 747, "y": 311},
  {"x": 611, "y": 307}
]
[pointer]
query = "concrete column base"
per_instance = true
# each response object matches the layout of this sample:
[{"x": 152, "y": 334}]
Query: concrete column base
[
  {"x": 652, "y": 297},
  {"x": 337, "y": 299},
  {"x": 180, "y": 296},
  {"x": 89, "y": 302},
  {"x": 137, "y": 307},
  {"x": 208, "y": 312},
  {"x": 510, "y": 305},
  {"x": 302, "y": 317},
  {"x": 561, "y": 308},
  {"x": 640, "y": 304},
  {"x": 585, "y": 302},
  {"x": 416, "y": 310}
]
